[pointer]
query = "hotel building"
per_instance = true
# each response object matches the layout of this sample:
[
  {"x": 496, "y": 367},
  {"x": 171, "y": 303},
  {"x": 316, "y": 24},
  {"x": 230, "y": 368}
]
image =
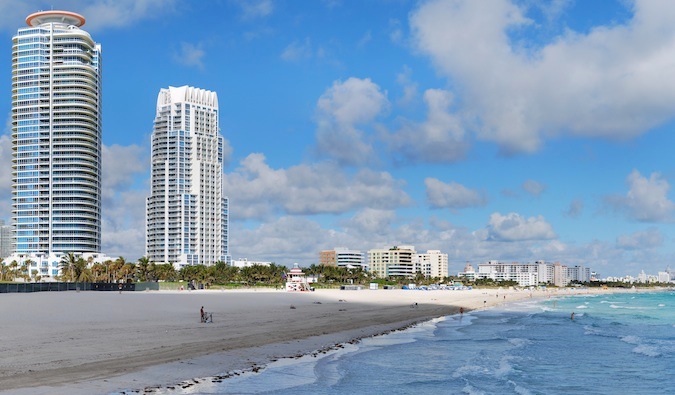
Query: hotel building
[
  {"x": 187, "y": 214},
  {"x": 342, "y": 257},
  {"x": 405, "y": 261},
  {"x": 433, "y": 264},
  {"x": 56, "y": 136},
  {"x": 528, "y": 274}
]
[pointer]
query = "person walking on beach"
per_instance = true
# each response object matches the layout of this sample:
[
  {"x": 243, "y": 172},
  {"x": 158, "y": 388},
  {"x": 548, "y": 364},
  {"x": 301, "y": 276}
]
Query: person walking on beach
[{"x": 201, "y": 313}]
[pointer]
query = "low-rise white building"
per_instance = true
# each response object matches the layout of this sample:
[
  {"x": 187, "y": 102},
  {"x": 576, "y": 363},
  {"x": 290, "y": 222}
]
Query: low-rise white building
[
  {"x": 246, "y": 263},
  {"x": 525, "y": 274},
  {"x": 343, "y": 257}
]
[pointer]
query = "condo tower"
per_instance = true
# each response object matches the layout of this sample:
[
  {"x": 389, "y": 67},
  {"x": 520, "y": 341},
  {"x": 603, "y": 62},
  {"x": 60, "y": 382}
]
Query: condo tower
[
  {"x": 187, "y": 214},
  {"x": 56, "y": 136}
]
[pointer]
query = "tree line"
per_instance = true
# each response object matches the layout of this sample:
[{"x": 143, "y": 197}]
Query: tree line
[{"x": 73, "y": 268}]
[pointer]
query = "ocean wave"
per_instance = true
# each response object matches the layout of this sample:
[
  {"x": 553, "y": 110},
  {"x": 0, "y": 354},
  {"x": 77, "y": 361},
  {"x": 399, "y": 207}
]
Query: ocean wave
[
  {"x": 471, "y": 390},
  {"x": 519, "y": 342},
  {"x": 647, "y": 350},
  {"x": 468, "y": 370},
  {"x": 631, "y": 339},
  {"x": 582, "y": 307},
  {"x": 518, "y": 389},
  {"x": 505, "y": 367}
]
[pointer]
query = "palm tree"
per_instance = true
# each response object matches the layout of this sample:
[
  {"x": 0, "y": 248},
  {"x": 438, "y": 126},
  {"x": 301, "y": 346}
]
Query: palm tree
[
  {"x": 81, "y": 271},
  {"x": 4, "y": 270},
  {"x": 13, "y": 270},
  {"x": 142, "y": 268},
  {"x": 67, "y": 266}
]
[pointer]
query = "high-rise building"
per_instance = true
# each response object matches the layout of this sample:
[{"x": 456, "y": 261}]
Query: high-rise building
[
  {"x": 5, "y": 239},
  {"x": 187, "y": 213},
  {"x": 56, "y": 136}
]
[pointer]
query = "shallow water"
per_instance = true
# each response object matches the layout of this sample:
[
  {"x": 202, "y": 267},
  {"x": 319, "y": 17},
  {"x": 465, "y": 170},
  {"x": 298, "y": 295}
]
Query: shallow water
[{"x": 616, "y": 344}]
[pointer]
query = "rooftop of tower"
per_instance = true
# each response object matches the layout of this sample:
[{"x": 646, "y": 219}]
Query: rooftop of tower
[{"x": 67, "y": 17}]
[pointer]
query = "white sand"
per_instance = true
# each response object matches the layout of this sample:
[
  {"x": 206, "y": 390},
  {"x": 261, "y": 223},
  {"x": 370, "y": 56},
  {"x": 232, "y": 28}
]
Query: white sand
[{"x": 101, "y": 342}]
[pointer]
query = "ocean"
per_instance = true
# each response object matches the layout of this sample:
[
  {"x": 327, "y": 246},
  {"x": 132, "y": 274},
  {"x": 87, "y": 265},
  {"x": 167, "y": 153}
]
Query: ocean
[{"x": 620, "y": 343}]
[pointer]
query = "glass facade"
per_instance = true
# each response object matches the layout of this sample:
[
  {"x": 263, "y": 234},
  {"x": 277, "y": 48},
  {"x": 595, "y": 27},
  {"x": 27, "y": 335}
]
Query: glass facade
[{"x": 56, "y": 136}]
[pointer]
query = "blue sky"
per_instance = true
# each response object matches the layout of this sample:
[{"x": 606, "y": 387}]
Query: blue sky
[{"x": 511, "y": 130}]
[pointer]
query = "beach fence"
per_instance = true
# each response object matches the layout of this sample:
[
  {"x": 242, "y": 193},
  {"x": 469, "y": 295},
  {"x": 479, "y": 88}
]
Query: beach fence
[{"x": 61, "y": 286}]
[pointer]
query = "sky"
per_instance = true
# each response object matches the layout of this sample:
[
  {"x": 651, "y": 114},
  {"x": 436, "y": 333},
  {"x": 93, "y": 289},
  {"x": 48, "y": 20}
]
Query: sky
[{"x": 510, "y": 130}]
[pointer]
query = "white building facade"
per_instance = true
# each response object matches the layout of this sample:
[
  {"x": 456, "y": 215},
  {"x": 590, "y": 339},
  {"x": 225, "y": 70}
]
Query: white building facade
[
  {"x": 525, "y": 274},
  {"x": 187, "y": 214},
  {"x": 405, "y": 261},
  {"x": 433, "y": 264},
  {"x": 394, "y": 261},
  {"x": 56, "y": 136}
]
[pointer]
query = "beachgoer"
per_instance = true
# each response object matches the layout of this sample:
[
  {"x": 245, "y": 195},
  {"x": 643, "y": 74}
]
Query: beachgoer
[
  {"x": 201, "y": 313},
  {"x": 461, "y": 310},
  {"x": 572, "y": 316},
  {"x": 120, "y": 287}
]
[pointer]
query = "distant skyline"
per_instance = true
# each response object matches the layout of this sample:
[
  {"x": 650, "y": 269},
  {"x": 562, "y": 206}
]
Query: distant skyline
[{"x": 507, "y": 130}]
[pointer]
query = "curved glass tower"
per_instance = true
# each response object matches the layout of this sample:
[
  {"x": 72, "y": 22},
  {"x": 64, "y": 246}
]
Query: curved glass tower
[{"x": 56, "y": 136}]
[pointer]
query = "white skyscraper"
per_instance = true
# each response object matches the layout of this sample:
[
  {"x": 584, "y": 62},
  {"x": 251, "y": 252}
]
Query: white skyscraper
[
  {"x": 187, "y": 214},
  {"x": 56, "y": 136}
]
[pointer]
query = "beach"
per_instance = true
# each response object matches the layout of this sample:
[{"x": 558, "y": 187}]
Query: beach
[{"x": 106, "y": 342}]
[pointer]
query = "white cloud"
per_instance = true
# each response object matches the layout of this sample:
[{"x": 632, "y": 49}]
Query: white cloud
[
  {"x": 252, "y": 9},
  {"x": 409, "y": 87},
  {"x": 340, "y": 110},
  {"x": 297, "y": 50},
  {"x": 308, "y": 189},
  {"x": 646, "y": 200},
  {"x": 614, "y": 82},
  {"x": 123, "y": 207},
  {"x": 452, "y": 195},
  {"x": 646, "y": 239},
  {"x": 190, "y": 55},
  {"x": 513, "y": 227},
  {"x": 439, "y": 139},
  {"x": 534, "y": 188}
]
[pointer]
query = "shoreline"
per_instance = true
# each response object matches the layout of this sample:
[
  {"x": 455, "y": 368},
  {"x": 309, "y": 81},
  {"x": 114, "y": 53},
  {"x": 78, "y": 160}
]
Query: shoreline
[{"x": 268, "y": 325}]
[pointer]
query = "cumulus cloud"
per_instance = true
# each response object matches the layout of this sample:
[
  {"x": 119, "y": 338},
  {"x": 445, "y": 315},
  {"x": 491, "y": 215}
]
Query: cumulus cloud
[
  {"x": 452, "y": 195},
  {"x": 341, "y": 110},
  {"x": 513, "y": 227},
  {"x": 190, "y": 55},
  {"x": 647, "y": 239},
  {"x": 123, "y": 207},
  {"x": 614, "y": 81},
  {"x": 646, "y": 200},
  {"x": 439, "y": 139},
  {"x": 320, "y": 188},
  {"x": 533, "y": 188}
]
